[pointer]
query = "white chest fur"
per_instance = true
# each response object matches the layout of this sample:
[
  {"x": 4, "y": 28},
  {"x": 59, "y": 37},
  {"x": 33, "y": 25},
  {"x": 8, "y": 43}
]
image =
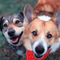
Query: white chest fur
[{"x": 44, "y": 18}]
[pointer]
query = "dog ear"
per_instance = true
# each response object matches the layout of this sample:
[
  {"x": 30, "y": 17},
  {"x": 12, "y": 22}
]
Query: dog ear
[
  {"x": 56, "y": 19},
  {"x": 1, "y": 17},
  {"x": 29, "y": 14}
]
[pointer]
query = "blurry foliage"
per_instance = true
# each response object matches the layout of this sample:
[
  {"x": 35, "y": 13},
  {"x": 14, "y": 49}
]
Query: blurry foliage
[{"x": 8, "y": 7}]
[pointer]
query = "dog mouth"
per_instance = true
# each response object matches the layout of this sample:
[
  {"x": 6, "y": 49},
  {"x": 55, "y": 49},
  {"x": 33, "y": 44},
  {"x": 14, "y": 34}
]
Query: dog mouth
[
  {"x": 38, "y": 56},
  {"x": 16, "y": 39}
]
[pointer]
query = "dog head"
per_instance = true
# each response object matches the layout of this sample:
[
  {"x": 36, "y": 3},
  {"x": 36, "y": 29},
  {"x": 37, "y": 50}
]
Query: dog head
[
  {"x": 40, "y": 35},
  {"x": 12, "y": 28}
]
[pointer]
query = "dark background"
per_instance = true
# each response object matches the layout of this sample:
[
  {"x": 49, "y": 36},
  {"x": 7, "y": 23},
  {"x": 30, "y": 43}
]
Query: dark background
[{"x": 9, "y": 7}]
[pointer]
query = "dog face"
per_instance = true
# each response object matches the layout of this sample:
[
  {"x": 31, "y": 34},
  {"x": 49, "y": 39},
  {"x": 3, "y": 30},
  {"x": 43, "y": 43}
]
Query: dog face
[
  {"x": 41, "y": 34},
  {"x": 12, "y": 28}
]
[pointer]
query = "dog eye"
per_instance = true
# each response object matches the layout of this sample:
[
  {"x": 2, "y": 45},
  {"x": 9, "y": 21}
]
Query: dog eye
[
  {"x": 5, "y": 25},
  {"x": 34, "y": 33},
  {"x": 49, "y": 36},
  {"x": 17, "y": 22}
]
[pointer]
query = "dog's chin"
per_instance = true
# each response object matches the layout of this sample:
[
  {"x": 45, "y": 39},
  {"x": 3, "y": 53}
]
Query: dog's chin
[
  {"x": 38, "y": 56},
  {"x": 15, "y": 40}
]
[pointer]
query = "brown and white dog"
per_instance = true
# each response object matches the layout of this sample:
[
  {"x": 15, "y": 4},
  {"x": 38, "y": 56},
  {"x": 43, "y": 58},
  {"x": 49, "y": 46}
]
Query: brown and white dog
[{"x": 41, "y": 35}]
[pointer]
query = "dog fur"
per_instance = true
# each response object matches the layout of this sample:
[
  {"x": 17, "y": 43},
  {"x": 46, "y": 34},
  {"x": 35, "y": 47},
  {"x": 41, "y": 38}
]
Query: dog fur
[
  {"x": 39, "y": 34},
  {"x": 12, "y": 29},
  {"x": 47, "y": 7}
]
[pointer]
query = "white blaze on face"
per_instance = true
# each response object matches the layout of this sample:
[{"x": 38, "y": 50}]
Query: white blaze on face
[
  {"x": 40, "y": 41},
  {"x": 44, "y": 18}
]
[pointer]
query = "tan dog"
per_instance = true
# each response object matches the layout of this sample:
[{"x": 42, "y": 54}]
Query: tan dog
[{"x": 41, "y": 35}]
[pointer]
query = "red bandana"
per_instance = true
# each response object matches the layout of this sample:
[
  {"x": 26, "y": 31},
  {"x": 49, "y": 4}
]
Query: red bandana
[{"x": 30, "y": 55}]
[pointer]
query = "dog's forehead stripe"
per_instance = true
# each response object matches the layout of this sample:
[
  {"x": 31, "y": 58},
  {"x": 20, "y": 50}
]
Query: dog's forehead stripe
[{"x": 40, "y": 41}]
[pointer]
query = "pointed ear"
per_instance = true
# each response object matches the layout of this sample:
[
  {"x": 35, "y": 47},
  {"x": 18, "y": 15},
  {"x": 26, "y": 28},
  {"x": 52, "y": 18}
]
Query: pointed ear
[
  {"x": 56, "y": 19},
  {"x": 29, "y": 14}
]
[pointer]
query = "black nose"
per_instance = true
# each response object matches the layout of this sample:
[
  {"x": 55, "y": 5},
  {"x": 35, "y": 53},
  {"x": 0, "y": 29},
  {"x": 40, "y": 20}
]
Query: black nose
[
  {"x": 39, "y": 49},
  {"x": 11, "y": 32}
]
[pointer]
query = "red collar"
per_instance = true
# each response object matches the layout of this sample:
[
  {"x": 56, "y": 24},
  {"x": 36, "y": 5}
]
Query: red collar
[{"x": 30, "y": 55}]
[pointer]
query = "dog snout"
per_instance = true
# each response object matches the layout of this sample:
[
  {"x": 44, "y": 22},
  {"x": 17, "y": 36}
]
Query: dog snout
[
  {"x": 39, "y": 49},
  {"x": 11, "y": 32}
]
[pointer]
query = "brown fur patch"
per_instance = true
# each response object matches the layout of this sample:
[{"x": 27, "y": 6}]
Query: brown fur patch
[{"x": 47, "y": 7}]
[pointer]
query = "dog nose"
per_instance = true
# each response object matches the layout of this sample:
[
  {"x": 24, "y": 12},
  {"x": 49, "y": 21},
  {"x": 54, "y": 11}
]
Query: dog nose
[
  {"x": 11, "y": 32},
  {"x": 39, "y": 49}
]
